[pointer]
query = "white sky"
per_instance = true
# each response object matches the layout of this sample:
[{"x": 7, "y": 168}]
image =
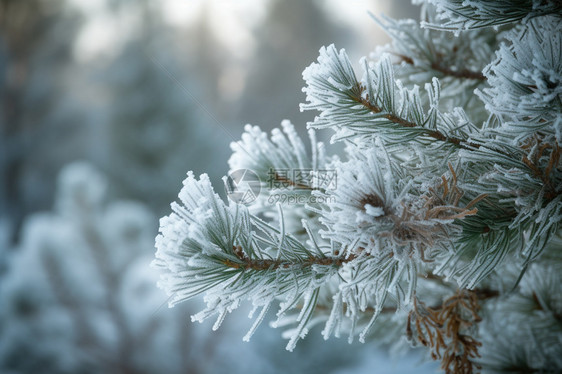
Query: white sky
[{"x": 231, "y": 21}]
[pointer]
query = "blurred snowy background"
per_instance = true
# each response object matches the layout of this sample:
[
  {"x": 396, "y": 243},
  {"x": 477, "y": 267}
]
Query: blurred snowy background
[{"x": 105, "y": 105}]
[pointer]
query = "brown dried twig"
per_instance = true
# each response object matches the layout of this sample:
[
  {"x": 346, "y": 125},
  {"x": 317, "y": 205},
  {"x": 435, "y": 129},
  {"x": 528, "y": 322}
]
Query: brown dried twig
[
  {"x": 537, "y": 148},
  {"x": 441, "y": 203},
  {"x": 440, "y": 67},
  {"x": 445, "y": 330}
]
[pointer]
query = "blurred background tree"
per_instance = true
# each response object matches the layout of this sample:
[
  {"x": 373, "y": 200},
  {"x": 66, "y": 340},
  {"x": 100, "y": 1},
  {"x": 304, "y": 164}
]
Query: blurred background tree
[
  {"x": 37, "y": 109},
  {"x": 291, "y": 28}
]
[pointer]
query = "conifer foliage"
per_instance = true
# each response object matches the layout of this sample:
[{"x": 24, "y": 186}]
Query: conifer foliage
[{"x": 440, "y": 224}]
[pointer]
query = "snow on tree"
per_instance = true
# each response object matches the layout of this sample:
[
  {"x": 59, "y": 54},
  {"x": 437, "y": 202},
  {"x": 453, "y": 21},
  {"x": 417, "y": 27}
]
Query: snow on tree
[
  {"x": 283, "y": 47},
  {"x": 77, "y": 296},
  {"x": 37, "y": 112},
  {"x": 440, "y": 224},
  {"x": 150, "y": 126},
  {"x": 149, "y": 119}
]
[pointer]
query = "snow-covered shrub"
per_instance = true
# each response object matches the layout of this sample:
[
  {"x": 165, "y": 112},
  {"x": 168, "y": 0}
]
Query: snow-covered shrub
[{"x": 78, "y": 295}]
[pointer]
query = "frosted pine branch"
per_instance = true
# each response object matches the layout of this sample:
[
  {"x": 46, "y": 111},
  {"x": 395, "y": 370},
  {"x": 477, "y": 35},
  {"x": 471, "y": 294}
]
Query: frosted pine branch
[
  {"x": 378, "y": 104},
  {"x": 447, "y": 205},
  {"x": 474, "y": 14}
]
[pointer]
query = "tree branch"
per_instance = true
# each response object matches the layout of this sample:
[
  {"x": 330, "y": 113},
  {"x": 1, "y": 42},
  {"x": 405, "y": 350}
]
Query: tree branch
[
  {"x": 463, "y": 73},
  {"x": 460, "y": 143},
  {"x": 247, "y": 263},
  {"x": 445, "y": 70}
]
